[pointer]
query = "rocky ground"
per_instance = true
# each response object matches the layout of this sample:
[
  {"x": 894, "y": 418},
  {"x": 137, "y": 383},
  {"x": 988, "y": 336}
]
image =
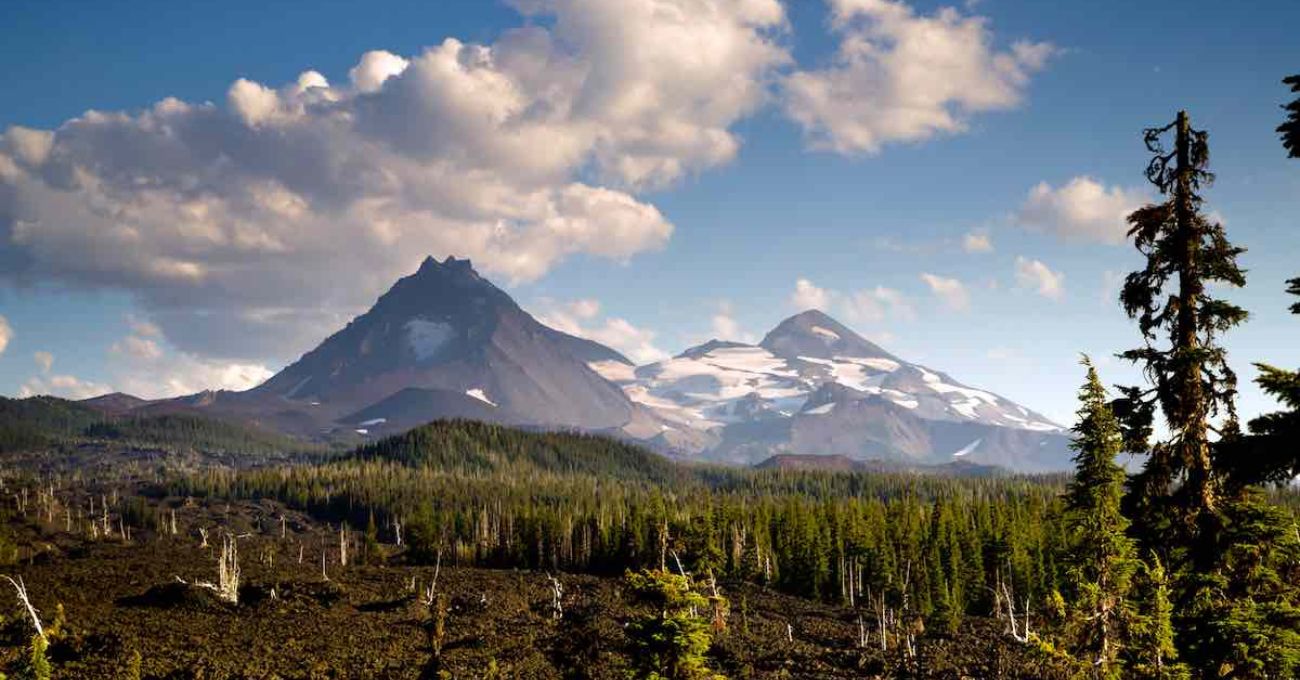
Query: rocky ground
[{"x": 119, "y": 609}]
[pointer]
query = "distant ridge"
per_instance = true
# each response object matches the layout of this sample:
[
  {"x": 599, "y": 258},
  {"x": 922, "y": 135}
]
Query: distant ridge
[
  {"x": 839, "y": 463},
  {"x": 445, "y": 342}
]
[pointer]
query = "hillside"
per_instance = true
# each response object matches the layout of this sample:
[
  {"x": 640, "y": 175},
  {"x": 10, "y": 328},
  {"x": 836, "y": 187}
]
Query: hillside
[
  {"x": 39, "y": 423},
  {"x": 473, "y": 446}
]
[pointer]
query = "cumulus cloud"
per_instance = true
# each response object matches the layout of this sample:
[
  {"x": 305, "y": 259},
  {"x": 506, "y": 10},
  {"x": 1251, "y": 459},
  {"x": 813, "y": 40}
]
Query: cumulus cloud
[
  {"x": 952, "y": 292},
  {"x": 73, "y": 387},
  {"x": 143, "y": 367},
  {"x": 66, "y": 386},
  {"x": 977, "y": 242},
  {"x": 726, "y": 327},
  {"x": 875, "y": 305},
  {"x": 866, "y": 305},
  {"x": 637, "y": 344},
  {"x": 252, "y": 227},
  {"x": 1082, "y": 209},
  {"x": 1038, "y": 277},
  {"x": 138, "y": 348},
  {"x": 900, "y": 76},
  {"x": 6, "y": 333},
  {"x": 583, "y": 319},
  {"x": 808, "y": 295}
]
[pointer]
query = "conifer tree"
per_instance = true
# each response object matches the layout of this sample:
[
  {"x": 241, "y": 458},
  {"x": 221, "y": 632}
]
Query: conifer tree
[
  {"x": 1181, "y": 322},
  {"x": 1290, "y": 128},
  {"x": 672, "y": 642},
  {"x": 1151, "y": 654},
  {"x": 1101, "y": 557},
  {"x": 1244, "y": 621},
  {"x": 1283, "y": 385},
  {"x": 1272, "y": 453}
]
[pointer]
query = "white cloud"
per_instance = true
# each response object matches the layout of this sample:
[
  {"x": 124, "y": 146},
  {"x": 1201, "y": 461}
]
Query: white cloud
[
  {"x": 584, "y": 309},
  {"x": 977, "y": 242},
  {"x": 137, "y": 347},
  {"x": 178, "y": 374},
  {"x": 807, "y": 295},
  {"x": 1082, "y": 209},
  {"x": 144, "y": 368},
  {"x": 726, "y": 327},
  {"x": 898, "y": 76},
  {"x": 875, "y": 305},
  {"x": 1038, "y": 277},
  {"x": 951, "y": 292},
  {"x": 6, "y": 333},
  {"x": 66, "y": 386},
  {"x": 144, "y": 329},
  {"x": 635, "y": 343},
  {"x": 375, "y": 68},
  {"x": 867, "y": 305},
  {"x": 580, "y": 318},
  {"x": 251, "y": 228}
]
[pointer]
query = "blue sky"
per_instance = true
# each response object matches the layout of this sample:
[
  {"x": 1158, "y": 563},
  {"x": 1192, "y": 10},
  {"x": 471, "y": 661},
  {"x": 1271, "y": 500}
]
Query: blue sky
[{"x": 790, "y": 192}]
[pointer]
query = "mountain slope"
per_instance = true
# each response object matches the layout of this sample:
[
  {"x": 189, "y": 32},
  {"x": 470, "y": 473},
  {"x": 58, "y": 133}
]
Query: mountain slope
[
  {"x": 470, "y": 446},
  {"x": 442, "y": 342},
  {"x": 814, "y": 387},
  {"x": 445, "y": 328},
  {"x": 446, "y": 343}
]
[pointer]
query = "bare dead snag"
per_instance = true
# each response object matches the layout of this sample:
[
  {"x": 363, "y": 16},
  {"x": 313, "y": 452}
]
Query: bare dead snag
[
  {"x": 21, "y": 589},
  {"x": 557, "y": 594},
  {"x": 228, "y": 572}
]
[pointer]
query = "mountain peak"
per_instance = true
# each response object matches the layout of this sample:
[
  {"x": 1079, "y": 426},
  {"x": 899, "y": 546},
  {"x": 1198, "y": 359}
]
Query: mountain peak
[
  {"x": 814, "y": 333},
  {"x": 449, "y": 269},
  {"x": 453, "y": 337}
]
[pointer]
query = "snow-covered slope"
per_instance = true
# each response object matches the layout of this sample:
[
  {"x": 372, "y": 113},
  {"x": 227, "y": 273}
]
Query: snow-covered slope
[{"x": 814, "y": 381}]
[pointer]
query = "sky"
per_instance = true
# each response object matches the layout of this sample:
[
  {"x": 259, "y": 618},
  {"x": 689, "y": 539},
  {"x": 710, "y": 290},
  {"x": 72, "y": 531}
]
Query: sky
[{"x": 193, "y": 196}]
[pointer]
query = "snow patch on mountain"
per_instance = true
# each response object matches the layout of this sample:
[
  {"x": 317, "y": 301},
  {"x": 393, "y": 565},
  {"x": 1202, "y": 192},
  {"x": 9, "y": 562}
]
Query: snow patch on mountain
[
  {"x": 426, "y": 338},
  {"x": 830, "y": 335},
  {"x": 719, "y": 384},
  {"x": 477, "y": 393},
  {"x": 968, "y": 448}
]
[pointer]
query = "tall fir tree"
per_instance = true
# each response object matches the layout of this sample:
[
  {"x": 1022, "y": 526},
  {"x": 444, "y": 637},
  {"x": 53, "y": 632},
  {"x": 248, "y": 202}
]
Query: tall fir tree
[
  {"x": 1290, "y": 128},
  {"x": 1101, "y": 558},
  {"x": 1180, "y": 321},
  {"x": 1244, "y": 620},
  {"x": 1151, "y": 654}
]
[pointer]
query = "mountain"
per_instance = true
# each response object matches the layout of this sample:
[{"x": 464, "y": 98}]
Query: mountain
[
  {"x": 442, "y": 342},
  {"x": 115, "y": 403},
  {"x": 814, "y": 387},
  {"x": 446, "y": 343}
]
